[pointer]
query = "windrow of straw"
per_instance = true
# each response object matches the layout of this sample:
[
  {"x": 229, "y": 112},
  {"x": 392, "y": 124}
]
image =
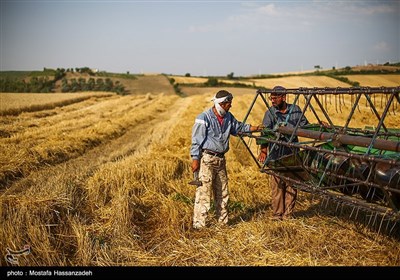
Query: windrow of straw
[
  {"x": 16, "y": 103},
  {"x": 65, "y": 135}
]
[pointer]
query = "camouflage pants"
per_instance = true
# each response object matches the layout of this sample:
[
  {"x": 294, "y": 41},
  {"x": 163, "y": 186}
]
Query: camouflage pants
[
  {"x": 214, "y": 177},
  {"x": 283, "y": 197}
]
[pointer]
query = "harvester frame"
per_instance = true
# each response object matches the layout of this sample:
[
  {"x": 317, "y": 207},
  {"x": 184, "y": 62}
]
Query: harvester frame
[{"x": 359, "y": 167}]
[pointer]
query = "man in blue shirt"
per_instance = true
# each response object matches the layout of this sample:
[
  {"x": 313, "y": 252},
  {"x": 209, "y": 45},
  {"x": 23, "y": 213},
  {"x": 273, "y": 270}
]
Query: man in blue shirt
[
  {"x": 210, "y": 142},
  {"x": 283, "y": 195}
]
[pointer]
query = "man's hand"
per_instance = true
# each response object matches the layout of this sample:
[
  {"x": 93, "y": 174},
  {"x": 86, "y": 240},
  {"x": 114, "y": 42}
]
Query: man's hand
[
  {"x": 255, "y": 128},
  {"x": 195, "y": 165},
  {"x": 263, "y": 155}
]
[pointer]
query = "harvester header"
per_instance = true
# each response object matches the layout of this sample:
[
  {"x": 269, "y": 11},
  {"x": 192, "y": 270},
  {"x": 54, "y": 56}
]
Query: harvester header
[{"x": 350, "y": 153}]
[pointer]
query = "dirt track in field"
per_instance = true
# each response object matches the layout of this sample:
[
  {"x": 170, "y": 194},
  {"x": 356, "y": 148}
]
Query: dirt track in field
[{"x": 137, "y": 139}]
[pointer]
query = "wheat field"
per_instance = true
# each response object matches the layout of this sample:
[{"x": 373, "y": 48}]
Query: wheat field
[
  {"x": 104, "y": 182},
  {"x": 387, "y": 80}
]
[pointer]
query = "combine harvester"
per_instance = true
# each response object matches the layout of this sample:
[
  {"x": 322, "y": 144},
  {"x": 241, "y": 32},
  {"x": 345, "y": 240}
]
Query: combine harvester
[{"x": 354, "y": 166}]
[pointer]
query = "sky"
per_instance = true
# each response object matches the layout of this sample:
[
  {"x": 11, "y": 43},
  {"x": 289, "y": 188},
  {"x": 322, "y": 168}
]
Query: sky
[{"x": 202, "y": 38}]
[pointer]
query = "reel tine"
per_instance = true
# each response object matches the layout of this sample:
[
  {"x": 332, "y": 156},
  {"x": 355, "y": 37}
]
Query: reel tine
[
  {"x": 351, "y": 100},
  {"x": 374, "y": 222},
  {"x": 381, "y": 223},
  {"x": 326, "y": 200},
  {"x": 358, "y": 208},
  {"x": 370, "y": 217},
  {"x": 336, "y": 105},
  {"x": 352, "y": 211},
  {"x": 393, "y": 227},
  {"x": 374, "y": 98}
]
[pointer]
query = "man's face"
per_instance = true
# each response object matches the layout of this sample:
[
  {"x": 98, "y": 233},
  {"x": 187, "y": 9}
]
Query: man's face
[
  {"x": 226, "y": 105},
  {"x": 277, "y": 100}
]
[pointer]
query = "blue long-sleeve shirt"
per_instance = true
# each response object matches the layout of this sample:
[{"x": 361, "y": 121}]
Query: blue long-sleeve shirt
[
  {"x": 290, "y": 117},
  {"x": 209, "y": 134}
]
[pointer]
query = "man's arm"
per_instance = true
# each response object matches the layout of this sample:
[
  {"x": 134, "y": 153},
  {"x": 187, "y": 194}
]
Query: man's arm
[
  {"x": 199, "y": 132},
  {"x": 254, "y": 128}
]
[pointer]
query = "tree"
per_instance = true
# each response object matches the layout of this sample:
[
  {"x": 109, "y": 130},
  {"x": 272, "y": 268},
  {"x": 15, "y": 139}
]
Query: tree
[
  {"x": 230, "y": 76},
  {"x": 100, "y": 84},
  {"x": 212, "y": 82},
  {"x": 91, "y": 84},
  {"x": 108, "y": 86}
]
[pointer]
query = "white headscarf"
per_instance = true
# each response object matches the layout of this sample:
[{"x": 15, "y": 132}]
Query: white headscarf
[{"x": 218, "y": 107}]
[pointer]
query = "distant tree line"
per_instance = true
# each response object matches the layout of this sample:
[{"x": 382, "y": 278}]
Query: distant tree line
[
  {"x": 176, "y": 86},
  {"x": 35, "y": 84},
  {"x": 39, "y": 81},
  {"x": 75, "y": 85},
  {"x": 211, "y": 82}
]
